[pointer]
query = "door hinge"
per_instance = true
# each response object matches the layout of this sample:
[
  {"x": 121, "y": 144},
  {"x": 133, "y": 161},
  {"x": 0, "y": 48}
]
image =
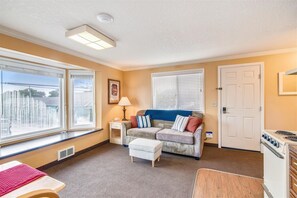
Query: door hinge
[
  {"x": 259, "y": 76},
  {"x": 219, "y": 88},
  {"x": 260, "y": 108}
]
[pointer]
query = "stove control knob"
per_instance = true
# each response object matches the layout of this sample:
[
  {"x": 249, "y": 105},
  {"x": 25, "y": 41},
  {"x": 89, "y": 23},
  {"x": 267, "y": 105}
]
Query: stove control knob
[
  {"x": 268, "y": 138},
  {"x": 276, "y": 144},
  {"x": 272, "y": 141}
]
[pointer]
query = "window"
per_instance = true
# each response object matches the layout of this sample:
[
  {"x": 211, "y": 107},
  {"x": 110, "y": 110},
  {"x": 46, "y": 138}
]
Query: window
[
  {"x": 31, "y": 99},
  {"x": 82, "y": 99},
  {"x": 178, "y": 90}
]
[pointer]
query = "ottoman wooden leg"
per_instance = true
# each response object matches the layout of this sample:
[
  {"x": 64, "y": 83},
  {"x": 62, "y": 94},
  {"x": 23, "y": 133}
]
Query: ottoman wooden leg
[
  {"x": 132, "y": 159},
  {"x": 153, "y": 163}
]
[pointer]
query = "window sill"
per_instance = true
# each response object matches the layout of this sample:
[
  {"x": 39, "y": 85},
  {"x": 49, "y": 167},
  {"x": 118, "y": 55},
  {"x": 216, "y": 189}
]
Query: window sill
[{"x": 23, "y": 147}]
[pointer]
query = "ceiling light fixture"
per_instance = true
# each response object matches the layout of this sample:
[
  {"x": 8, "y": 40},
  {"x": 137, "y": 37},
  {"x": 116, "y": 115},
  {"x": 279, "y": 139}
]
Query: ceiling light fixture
[
  {"x": 90, "y": 37},
  {"x": 105, "y": 18}
]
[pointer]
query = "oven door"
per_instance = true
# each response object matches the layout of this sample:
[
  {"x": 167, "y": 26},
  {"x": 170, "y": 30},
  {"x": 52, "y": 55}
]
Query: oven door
[{"x": 275, "y": 184}]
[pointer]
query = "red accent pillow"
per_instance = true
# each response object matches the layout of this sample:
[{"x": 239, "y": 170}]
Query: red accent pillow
[
  {"x": 133, "y": 122},
  {"x": 193, "y": 124}
]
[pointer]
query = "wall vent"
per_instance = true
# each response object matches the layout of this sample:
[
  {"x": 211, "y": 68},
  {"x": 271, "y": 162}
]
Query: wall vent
[{"x": 62, "y": 154}]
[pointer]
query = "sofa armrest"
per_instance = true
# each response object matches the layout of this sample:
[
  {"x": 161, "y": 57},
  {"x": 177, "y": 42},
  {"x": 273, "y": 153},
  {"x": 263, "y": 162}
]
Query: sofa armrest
[
  {"x": 199, "y": 141},
  {"x": 125, "y": 127}
]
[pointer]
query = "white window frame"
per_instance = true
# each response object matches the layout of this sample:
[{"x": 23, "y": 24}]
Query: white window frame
[
  {"x": 19, "y": 66},
  {"x": 70, "y": 99},
  {"x": 181, "y": 72}
]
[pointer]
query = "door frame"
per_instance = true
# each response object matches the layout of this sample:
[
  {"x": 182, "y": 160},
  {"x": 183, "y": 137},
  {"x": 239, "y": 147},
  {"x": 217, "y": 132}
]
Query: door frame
[{"x": 220, "y": 67}]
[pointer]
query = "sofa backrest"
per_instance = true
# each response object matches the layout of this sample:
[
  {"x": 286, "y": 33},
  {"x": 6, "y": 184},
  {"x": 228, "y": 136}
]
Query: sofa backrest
[{"x": 166, "y": 118}]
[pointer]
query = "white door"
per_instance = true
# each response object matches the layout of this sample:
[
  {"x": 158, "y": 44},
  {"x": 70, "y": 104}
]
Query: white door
[{"x": 240, "y": 107}]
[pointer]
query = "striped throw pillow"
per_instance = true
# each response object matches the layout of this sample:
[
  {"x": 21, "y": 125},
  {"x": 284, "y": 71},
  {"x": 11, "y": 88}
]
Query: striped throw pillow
[
  {"x": 144, "y": 121},
  {"x": 180, "y": 123}
]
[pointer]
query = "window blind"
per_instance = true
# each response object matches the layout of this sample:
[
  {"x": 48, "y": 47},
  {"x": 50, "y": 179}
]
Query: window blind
[
  {"x": 82, "y": 76},
  {"x": 178, "y": 90},
  {"x": 30, "y": 68},
  {"x": 165, "y": 92}
]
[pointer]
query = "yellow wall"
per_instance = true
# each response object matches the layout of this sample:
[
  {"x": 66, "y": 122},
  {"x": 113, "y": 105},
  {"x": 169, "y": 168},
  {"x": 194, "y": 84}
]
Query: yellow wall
[
  {"x": 102, "y": 74},
  {"x": 280, "y": 111}
]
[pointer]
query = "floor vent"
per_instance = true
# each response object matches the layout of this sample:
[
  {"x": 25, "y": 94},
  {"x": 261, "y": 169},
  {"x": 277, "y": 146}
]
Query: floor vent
[{"x": 62, "y": 154}]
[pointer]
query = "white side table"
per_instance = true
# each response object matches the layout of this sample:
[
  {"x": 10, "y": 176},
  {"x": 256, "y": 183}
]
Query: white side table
[{"x": 116, "y": 132}]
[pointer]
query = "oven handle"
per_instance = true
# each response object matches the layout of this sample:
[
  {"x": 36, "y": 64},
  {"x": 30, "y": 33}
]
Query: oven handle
[{"x": 272, "y": 150}]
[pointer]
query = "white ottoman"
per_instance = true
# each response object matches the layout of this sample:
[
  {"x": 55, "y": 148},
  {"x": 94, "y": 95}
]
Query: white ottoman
[{"x": 145, "y": 149}]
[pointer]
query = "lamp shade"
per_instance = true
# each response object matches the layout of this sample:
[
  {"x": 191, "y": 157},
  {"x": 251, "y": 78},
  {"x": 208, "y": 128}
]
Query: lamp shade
[{"x": 124, "y": 102}]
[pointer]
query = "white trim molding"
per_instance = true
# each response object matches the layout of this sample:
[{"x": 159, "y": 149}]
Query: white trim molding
[{"x": 222, "y": 58}]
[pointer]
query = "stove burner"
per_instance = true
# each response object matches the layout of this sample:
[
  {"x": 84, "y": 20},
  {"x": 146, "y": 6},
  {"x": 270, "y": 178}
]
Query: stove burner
[
  {"x": 292, "y": 138},
  {"x": 284, "y": 133}
]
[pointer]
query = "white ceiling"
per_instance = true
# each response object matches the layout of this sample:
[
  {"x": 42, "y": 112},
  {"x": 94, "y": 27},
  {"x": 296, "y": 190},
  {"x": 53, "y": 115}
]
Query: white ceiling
[{"x": 152, "y": 33}]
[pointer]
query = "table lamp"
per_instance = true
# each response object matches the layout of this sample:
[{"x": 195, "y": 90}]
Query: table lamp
[{"x": 124, "y": 102}]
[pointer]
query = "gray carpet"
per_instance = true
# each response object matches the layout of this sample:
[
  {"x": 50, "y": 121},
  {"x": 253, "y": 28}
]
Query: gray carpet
[{"x": 107, "y": 172}]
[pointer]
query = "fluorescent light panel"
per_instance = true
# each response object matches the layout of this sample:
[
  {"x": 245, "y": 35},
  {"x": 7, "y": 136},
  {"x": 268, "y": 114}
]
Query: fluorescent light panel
[
  {"x": 90, "y": 37},
  {"x": 95, "y": 46}
]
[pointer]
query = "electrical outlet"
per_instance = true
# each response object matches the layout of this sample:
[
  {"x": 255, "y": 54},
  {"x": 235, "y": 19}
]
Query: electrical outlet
[{"x": 209, "y": 134}]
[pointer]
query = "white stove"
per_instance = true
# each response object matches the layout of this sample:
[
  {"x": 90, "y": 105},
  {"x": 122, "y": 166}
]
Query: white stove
[
  {"x": 276, "y": 162},
  {"x": 279, "y": 139}
]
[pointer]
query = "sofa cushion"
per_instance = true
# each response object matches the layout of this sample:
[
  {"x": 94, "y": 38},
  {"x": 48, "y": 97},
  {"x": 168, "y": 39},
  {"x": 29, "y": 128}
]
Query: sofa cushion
[
  {"x": 180, "y": 123},
  {"x": 133, "y": 122},
  {"x": 162, "y": 124},
  {"x": 193, "y": 124},
  {"x": 149, "y": 133},
  {"x": 143, "y": 121},
  {"x": 175, "y": 136}
]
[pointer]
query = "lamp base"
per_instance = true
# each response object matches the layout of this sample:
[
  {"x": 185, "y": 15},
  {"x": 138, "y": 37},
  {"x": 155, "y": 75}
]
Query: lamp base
[{"x": 124, "y": 110}]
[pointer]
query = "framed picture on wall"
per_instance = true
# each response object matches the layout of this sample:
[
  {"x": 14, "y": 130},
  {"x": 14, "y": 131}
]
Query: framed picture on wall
[{"x": 114, "y": 90}]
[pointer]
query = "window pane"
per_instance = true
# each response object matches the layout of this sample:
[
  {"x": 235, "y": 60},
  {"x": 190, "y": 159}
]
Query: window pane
[
  {"x": 29, "y": 103},
  {"x": 83, "y": 96},
  {"x": 189, "y": 92},
  {"x": 178, "y": 90},
  {"x": 165, "y": 92}
]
